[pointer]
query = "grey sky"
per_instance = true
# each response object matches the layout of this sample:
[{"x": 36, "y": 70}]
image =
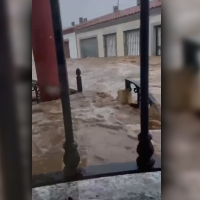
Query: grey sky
[{"x": 71, "y": 10}]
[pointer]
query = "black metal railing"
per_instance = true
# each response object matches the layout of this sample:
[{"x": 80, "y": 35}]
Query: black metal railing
[
  {"x": 145, "y": 162},
  {"x": 137, "y": 91},
  {"x": 35, "y": 89}
]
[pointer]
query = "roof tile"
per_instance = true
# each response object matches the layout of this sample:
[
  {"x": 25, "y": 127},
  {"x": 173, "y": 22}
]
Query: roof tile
[{"x": 116, "y": 15}]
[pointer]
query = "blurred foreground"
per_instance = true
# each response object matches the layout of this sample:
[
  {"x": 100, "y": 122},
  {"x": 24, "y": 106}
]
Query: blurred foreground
[{"x": 180, "y": 113}]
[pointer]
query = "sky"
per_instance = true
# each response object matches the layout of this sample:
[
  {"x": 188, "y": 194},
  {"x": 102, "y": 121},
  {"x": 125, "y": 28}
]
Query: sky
[{"x": 71, "y": 10}]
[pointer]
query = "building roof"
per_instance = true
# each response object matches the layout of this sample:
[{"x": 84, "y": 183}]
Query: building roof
[{"x": 112, "y": 16}]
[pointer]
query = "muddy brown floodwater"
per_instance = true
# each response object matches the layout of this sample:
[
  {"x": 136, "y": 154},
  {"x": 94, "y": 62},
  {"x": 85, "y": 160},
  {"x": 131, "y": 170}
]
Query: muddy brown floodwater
[{"x": 105, "y": 130}]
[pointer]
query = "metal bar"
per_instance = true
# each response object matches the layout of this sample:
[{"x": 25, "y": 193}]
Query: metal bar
[
  {"x": 71, "y": 157},
  {"x": 144, "y": 62},
  {"x": 91, "y": 172},
  {"x": 156, "y": 34},
  {"x": 145, "y": 148}
]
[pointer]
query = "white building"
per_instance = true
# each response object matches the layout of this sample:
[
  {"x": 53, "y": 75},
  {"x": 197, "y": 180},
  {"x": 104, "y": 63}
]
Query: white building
[
  {"x": 70, "y": 45},
  {"x": 115, "y": 34}
]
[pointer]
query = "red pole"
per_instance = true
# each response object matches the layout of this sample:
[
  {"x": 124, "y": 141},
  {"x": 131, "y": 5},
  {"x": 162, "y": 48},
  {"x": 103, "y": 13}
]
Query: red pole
[{"x": 43, "y": 45}]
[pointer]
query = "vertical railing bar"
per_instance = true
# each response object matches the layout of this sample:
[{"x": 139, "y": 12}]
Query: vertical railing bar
[
  {"x": 144, "y": 62},
  {"x": 145, "y": 148},
  {"x": 71, "y": 157},
  {"x": 156, "y": 33}
]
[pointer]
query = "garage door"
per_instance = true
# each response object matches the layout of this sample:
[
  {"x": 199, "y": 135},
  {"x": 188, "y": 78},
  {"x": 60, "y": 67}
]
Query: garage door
[
  {"x": 158, "y": 40},
  {"x": 132, "y": 42},
  {"x": 110, "y": 45},
  {"x": 66, "y": 48},
  {"x": 89, "y": 47}
]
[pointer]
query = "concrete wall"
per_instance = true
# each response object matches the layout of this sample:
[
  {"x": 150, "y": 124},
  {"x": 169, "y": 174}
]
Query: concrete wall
[
  {"x": 119, "y": 29},
  {"x": 71, "y": 37}
]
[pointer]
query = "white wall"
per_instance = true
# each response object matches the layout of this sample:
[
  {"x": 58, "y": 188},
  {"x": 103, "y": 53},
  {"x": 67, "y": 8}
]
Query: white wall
[
  {"x": 119, "y": 29},
  {"x": 72, "y": 44},
  {"x": 34, "y": 75}
]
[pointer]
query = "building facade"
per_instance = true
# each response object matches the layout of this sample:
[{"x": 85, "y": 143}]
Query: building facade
[
  {"x": 115, "y": 34},
  {"x": 70, "y": 45}
]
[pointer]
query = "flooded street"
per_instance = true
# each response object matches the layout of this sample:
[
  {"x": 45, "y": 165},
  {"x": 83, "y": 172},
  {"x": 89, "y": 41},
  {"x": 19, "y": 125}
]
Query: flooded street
[{"x": 105, "y": 130}]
